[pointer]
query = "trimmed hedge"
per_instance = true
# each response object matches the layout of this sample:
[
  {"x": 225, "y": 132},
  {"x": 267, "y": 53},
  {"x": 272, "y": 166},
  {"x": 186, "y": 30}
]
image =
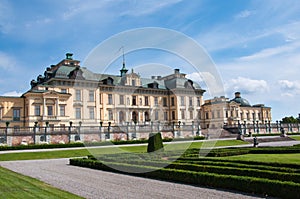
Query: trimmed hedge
[
  {"x": 155, "y": 143},
  {"x": 241, "y": 183},
  {"x": 246, "y": 162},
  {"x": 228, "y": 169}
]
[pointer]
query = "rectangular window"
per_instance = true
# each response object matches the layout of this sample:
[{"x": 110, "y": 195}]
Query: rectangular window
[
  {"x": 199, "y": 115},
  {"x": 213, "y": 115},
  {"x": 206, "y": 115},
  {"x": 146, "y": 101},
  {"x": 191, "y": 115},
  {"x": 226, "y": 112},
  {"x": 63, "y": 90},
  {"x": 190, "y": 101},
  {"x": 198, "y": 101},
  {"x": 16, "y": 114},
  {"x": 78, "y": 95},
  {"x": 133, "y": 100},
  {"x": 92, "y": 113},
  {"x": 110, "y": 115},
  {"x": 218, "y": 114},
  {"x": 173, "y": 115},
  {"x": 253, "y": 116},
  {"x": 62, "y": 110},
  {"x": 37, "y": 110},
  {"x": 156, "y": 115},
  {"x": 156, "y": 101},
  {"x": 49, "y": 110},
  {"x": 165, "y": 101},
  {"x": 121, "y": 99},
  {"x": 100, "y": 98},
  {"x": 78, "y": 113},
  {"x": 165, "y": 115},
  {"x": 182, "y": 114},
  {"x": 133, "y": 82},
  {"x": 172, "y": 101},
  {"x": 91, "y": 96},
  {"x": 110, "y": 99},
  {"x": 182, "y": 100}
]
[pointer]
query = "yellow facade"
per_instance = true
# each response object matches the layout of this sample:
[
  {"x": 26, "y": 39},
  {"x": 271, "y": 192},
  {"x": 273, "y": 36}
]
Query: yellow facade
[{"x": 68, "y": 93}]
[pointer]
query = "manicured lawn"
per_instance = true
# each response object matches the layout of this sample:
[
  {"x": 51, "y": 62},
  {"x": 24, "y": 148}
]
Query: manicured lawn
[
  {"x": 109, "y": 150},
  {"x": 295, "y": 137},
  {"x": 293, "y": 158},
  {"x": 204, "y": 144},
  {"x": 13, "y": 185}
]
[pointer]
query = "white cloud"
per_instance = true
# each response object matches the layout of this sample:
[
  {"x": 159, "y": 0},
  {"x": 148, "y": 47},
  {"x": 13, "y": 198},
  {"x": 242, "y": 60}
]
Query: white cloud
[
  {"x": 246, "y": 85},
  {"x": 289, "y": 88},
  {"x": 12, "y": 94},
  {"x": 195, "y": 76},
  {"x": 148, "y": 7},
  {"x": 7, "y": 62},
  {"x": 244, "y": 14}
]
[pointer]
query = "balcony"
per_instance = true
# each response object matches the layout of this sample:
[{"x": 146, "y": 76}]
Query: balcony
[{"x": 50, "y": 118}]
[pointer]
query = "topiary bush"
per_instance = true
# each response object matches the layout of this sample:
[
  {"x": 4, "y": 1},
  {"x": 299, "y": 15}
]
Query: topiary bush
[{"x": 155, "y": 143}]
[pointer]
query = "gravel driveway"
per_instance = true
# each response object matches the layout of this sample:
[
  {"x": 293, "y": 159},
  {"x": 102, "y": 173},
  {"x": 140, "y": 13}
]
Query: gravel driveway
[{"x": 90, "y": 183}]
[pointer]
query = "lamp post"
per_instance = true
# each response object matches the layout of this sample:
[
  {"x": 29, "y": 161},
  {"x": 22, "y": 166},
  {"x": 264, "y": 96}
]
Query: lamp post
[
  {"x": 100, "y": 129},
  {"x": 45, "y": 132},
  {"x": 179, "y": 133},
  {"x": 70, "y": 130},
  {"x": 34, "y": 131},
  {"x": 6, "y": 131},
  {"x": 108, "y": 129}
]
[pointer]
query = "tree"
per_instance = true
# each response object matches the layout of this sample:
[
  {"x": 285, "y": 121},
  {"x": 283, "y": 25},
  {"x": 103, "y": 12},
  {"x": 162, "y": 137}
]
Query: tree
[
  {"x": 290, "y": 119},
  {"x": 155, "y": 142}
]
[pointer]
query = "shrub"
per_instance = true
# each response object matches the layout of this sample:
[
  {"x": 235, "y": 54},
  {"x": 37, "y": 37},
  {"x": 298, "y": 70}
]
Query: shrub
[
  {"x": 241, "y": 183},
  {"x": 155, "y": 143}
]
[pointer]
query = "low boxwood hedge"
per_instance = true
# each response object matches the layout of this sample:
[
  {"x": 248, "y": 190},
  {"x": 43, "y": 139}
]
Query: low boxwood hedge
[{"x": 241, "y": 183}]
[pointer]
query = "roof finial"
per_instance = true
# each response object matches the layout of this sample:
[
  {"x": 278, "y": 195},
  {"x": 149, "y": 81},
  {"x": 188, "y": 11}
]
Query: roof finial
[
  {"x": 123, "y": 56},
  {"x": 123, "y": 70}
]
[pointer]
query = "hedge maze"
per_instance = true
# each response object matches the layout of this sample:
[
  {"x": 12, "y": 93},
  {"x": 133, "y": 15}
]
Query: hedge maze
[{"x": 266, "y": 178}]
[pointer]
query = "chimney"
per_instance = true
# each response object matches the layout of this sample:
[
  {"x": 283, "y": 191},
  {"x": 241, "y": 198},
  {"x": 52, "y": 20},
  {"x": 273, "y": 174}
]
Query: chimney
[
  {"x": 153, "y": 77},
  {"x": 237, "y": 94},
  {"x": 69, "y": 56},
  {"x": 176, "y": 71}
]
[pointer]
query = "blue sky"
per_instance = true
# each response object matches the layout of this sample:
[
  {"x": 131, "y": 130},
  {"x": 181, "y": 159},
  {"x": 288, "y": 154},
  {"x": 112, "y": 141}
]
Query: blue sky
[{"x": 255, "y": 45}]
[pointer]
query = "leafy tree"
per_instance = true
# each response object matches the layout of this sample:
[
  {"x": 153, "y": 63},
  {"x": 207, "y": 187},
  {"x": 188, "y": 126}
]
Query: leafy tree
[{"x": 290, "y": 119}]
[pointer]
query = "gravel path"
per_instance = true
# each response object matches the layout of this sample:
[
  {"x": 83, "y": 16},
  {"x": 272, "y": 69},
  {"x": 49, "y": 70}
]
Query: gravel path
[{"x": 99, "y": 184}]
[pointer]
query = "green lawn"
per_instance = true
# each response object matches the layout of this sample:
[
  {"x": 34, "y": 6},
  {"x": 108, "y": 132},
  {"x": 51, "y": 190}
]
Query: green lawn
[
  {"x": 13, "y": 185},
  {"x": 110, "y": 150},
  {"x": 293, "y": 158},
  {"x": 295, "y": 137}
]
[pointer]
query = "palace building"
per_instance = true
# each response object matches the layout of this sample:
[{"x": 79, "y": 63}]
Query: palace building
[{"x": 69, "y": 92}]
